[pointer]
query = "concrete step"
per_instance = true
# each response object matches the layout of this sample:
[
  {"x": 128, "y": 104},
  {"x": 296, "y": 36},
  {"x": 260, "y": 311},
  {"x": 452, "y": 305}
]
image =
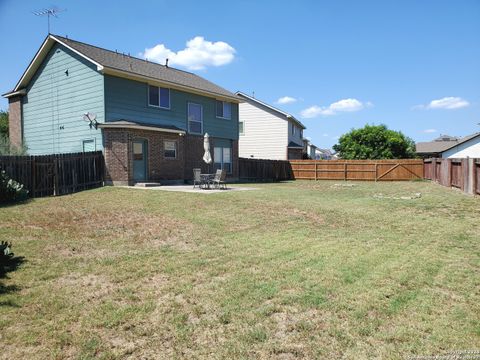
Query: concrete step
[{"x": 147, "y": 184}]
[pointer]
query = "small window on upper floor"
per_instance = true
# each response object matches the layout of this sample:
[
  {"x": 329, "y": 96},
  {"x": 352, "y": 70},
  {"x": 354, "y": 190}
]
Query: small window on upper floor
[
  {"x": 241, "y": 128},
  {"x": 158, "y": 97},
  {"x": 224, "y": 110},
  {"x": 294, "y": 128}
]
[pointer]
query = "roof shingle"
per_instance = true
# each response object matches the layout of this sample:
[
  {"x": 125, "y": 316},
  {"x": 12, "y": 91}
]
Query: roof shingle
[{"x": 133, "y": 65}]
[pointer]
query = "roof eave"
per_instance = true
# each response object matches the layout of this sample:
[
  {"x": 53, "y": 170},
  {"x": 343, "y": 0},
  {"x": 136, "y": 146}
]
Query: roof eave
[
  {"x": 14, "y": 93},
  {"x": 462, "y": 142},
  {"x": 134, "y": 76},
  {"x": 140, "y": 127},
  {"x": 40, "y": 56}
]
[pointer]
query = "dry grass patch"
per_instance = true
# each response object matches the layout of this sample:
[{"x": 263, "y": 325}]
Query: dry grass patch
[{"x": 295, "y": 270}]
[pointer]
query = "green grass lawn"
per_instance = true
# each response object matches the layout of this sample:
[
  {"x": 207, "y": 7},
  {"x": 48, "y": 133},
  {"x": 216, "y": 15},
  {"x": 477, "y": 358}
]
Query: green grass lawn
[{"x": 293, "y": 270}]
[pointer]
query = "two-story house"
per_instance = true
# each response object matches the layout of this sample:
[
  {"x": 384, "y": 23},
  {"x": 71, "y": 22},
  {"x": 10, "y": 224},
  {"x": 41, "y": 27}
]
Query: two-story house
[
  {"x": 149, "y": 119},
  {"x": 267, "y": 132}
]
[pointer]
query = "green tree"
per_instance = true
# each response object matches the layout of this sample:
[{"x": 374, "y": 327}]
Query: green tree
[
  {"x": 3, "y": 123},
  {"x": 375, "y": 142}
]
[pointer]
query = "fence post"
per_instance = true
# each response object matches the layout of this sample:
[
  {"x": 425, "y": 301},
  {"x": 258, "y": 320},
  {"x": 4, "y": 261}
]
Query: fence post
[
  {"x": 345, "y": 172},
  {"x": 376, "y": 171},
  {"x": 315, "y": 171},
  {"x": 33, "y": 166},
  {"x": 55, "y": 177},
  {"x": 449, "y": 172}
]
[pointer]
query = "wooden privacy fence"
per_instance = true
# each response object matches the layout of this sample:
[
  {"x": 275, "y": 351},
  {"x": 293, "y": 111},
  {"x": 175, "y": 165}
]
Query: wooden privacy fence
[
  {"x": 264, "y": 170},
  {"x": 373, "y": 170},
  {"x": 57, "y": 174},
  {"x": 463, "y": 174}
]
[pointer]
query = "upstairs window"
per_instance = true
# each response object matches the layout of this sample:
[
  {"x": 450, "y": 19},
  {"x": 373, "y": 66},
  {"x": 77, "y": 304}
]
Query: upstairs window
[
  {"x": 224, "y": 110},
  {"x": 293, "y": 129},
  {"x": 159, "y": 97},
  {"x": 195, "y": 118}
]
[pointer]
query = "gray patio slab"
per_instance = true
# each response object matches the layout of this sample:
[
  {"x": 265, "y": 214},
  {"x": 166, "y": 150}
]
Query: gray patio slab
[{"x": 190, "y": 189}]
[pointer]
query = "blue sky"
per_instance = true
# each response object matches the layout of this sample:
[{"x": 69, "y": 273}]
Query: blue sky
[{"x": 413, "y": 65}]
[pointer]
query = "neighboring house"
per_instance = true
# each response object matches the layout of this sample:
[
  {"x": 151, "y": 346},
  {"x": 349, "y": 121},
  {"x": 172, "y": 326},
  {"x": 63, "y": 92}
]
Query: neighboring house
[
  {"x": 450, "y": 147},
  {"x": 312, "y": 151},
  {"x": 149, "y": 119},
  {"x": 309, "y": 149},
  {"x": 324, "y": 154},
  {"x": 267, "y": 132}
]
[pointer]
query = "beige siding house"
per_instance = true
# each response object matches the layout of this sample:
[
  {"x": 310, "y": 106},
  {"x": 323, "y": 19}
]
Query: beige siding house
[{"x": 267, "y": 132}]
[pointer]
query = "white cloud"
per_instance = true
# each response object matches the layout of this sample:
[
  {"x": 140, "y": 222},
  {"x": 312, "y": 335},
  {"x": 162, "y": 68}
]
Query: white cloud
[
  {"x": 311, "y": 112},
  {"x": 286, "y": 100},
  {"x": 429, "y": 131},
  {"x": 344, "y": 105},
  {"x": 197, "y": 55},
  {"x": 449, "y": 103}
]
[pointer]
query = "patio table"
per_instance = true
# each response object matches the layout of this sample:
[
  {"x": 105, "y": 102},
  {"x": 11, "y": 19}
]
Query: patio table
[{"x": 206, "y": 180}]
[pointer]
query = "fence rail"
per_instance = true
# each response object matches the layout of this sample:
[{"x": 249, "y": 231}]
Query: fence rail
[
  {"x": 463, "y": 174},
  {"x": 264, "y": 170},
  {"x": 57, "y": 174},
  {"x": 372, "y": 170}
]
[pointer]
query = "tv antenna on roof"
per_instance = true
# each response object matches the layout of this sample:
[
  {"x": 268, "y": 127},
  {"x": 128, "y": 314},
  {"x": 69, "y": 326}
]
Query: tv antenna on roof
[{"x": 49, "y": 12}]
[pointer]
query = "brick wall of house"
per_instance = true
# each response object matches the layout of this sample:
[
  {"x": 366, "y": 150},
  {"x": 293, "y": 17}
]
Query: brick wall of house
[
  {"x": 158, "y": 167},
  {"x": 119, "y": 161},
  {"x": 15, "y": 131},
  {"x": 235, "y": 159},
  {"x": 194, "y": 156},
  {"x": 116, "y": 156}
]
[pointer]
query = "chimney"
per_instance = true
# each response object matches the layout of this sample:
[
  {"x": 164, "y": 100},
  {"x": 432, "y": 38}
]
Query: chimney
[{"x": 166, "y": 62}]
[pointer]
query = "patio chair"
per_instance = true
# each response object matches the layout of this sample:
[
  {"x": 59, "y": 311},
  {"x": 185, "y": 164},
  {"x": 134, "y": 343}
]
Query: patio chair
[
  {"x": 219, "y": 179},
  {"x": 197, "y": 179}
]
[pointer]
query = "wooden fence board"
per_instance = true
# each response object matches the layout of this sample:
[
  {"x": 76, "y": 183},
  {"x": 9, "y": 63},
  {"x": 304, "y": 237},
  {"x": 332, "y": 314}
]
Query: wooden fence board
[
  {"x": 264, "y": 170},
  {"x": 476, "y": 177},
  {"x": 58, "y": 174},
  {"x": 459, "y": 173}
]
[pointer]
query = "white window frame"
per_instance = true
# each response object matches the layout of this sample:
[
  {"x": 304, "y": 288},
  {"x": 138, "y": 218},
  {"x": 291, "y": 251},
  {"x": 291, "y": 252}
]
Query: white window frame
[
  {"x": 243, "y": 128},
  {"x": 201, "y": 120},
  {"x": 223, "y": 110},
  {"x": 293, "y": 129},
  {"x": 175, "y": 149},
  {"x": 159, "y": 106},
  {"x": 90, "y": 139}
]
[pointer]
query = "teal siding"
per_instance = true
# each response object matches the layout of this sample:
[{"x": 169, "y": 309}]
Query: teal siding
[
  {"x": 222, "y": 143},
  {"x": 127, "y": 99},
  {"x": 55, "y": 103}
]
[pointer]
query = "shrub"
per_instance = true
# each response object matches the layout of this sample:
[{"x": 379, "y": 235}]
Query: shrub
[
  {"x": 11, "y": 190},
  {"x": 375, "y": 142},
  {"x": 7, "y": 149}
]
